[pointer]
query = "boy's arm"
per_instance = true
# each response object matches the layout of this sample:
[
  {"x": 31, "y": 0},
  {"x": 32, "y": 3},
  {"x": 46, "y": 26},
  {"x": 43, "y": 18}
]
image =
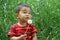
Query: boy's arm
[
  {"x": 14, "y": 38},
  {"x": 18, "y": 38},
  {"x": 34, "y": 32},
  {"x": 34, "y": 37}
]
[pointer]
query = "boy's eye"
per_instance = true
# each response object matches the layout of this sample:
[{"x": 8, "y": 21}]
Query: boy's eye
[{"x": 24, "y": 12}]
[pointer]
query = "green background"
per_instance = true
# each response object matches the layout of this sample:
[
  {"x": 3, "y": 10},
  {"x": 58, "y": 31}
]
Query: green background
[{"x": 45, "y": 16}]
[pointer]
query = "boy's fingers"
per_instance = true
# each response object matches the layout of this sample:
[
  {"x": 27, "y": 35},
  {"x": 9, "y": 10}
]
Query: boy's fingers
[{"x": 25, "y": 34}]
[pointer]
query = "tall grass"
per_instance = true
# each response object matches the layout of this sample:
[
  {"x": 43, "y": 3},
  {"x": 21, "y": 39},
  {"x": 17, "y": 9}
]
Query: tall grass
[{"x": 45, "y": 16}]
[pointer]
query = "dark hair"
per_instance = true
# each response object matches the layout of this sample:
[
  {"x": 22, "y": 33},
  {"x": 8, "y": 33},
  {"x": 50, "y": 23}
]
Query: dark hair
[{"x": 19, "y": 6}]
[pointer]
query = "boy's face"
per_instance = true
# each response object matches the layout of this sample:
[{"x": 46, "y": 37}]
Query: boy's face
[{"x": 24, "y": 14}]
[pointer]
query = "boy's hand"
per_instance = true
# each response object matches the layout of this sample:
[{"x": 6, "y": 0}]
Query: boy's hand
[{"x": 22, "y": 36}]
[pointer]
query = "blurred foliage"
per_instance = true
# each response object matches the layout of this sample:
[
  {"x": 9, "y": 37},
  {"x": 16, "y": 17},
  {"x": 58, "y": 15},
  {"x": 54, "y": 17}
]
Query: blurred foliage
[{"x": 45, "y": 16}]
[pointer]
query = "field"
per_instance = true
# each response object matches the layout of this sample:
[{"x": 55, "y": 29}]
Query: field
[{"x": 45, "y": 16}]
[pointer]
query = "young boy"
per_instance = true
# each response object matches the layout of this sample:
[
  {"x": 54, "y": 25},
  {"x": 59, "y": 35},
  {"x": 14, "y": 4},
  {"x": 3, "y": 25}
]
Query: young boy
[{"x": 22, "y": 30}]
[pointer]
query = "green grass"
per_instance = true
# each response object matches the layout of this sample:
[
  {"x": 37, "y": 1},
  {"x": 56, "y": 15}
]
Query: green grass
[{"x": 45, "y": 16}]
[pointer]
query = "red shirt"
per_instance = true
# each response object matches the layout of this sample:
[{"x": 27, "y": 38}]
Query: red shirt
[{"x": 17, "y": 30}]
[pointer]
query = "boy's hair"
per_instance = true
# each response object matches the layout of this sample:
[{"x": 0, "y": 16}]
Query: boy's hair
[{"x": 19, "y": 6}]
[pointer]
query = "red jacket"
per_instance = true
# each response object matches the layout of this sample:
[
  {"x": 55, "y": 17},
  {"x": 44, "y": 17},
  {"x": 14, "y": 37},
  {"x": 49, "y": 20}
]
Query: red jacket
[{"x": 17, "y": 30}]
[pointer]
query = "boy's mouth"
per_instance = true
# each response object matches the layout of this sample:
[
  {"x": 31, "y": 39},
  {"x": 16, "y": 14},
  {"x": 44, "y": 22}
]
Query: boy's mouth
[{"x": 27, "y": 18}]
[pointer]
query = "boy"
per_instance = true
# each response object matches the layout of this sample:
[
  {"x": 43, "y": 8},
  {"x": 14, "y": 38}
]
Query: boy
[{"x": 22, "y": 30}]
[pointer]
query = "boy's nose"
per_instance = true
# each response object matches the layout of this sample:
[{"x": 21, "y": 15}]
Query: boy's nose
[{"x": 27, "y": 14}]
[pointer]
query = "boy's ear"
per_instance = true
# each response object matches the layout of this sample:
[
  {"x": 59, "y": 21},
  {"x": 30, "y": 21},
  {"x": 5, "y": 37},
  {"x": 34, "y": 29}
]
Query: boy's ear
[{"x": 16, "y": 15}]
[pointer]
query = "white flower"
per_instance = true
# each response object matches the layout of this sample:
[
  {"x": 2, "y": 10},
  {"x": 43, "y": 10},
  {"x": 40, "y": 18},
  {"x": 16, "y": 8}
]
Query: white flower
[{"x": 30, "y": 21}]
